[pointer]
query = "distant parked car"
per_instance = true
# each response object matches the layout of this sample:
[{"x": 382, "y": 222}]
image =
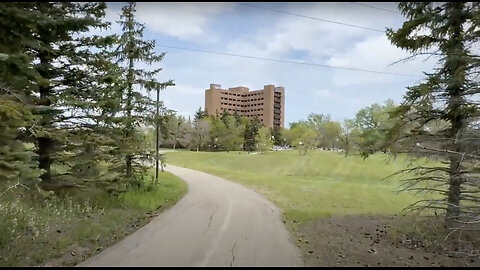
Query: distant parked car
[{"x": 280, "y": 148}]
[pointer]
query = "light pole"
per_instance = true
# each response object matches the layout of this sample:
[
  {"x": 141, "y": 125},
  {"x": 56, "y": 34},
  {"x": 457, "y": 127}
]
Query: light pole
[{"x": 157, "y": 135}]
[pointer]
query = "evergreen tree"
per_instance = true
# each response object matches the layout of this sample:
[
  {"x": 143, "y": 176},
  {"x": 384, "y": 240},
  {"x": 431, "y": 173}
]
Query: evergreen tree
[
  {"x": 17, "y": 161},
  {"x": 168, "y": 123},
  {"x": 251, "y": 131},
  {"x": 277, "y": 135},
  {"x": 93, "y": 149},
  {"x": 138, "y": 108},
  {"x": 224, "y": 116},
  {"x": 41, "y": 67},
  {"x": 200, "y": 114},
  {"x": 56, "y": 53},
  {"x": 447, "y": 94}
]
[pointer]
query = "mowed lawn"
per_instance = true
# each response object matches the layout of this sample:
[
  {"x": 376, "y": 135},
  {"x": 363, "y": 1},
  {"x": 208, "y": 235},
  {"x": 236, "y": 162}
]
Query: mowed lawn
[{"x": 320, "y": 184}]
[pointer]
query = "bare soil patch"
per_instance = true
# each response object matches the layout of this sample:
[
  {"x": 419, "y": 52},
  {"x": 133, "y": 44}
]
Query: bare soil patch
[
  {"x": 79, "y": 252},
  {"x": 370, "y": 241}
]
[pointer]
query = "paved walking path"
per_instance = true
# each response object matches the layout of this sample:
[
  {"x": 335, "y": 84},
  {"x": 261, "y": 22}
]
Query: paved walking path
[{"x": 218, "y": 223}]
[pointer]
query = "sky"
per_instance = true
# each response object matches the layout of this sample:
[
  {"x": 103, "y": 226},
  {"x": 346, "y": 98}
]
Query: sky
[{"x": 244, "y": 30}]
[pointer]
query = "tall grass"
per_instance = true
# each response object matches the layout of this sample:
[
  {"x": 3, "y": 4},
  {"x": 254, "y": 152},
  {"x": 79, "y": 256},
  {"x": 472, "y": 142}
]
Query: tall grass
[{"x": 35, "y": 231}]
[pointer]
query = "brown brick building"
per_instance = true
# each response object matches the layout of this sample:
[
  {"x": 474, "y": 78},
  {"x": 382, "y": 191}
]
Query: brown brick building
[{"x": 267, "y": 104}]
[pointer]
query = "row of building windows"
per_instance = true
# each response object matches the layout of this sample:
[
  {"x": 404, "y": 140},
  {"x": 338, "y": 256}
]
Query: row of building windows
[
  {"x": 243, "y": 106},
  {"x": 242, "y": 95},
  {"x": 249, "y": 100},
  {"x": 254, "y": 110}
]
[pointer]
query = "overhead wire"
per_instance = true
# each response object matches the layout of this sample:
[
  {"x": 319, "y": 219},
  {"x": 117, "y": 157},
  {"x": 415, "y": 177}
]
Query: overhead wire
[
  {"x": 298, "y": 62},
  {"x": 287, "y": 61},
  {"x": 384, "y": 9},
  {"x": 312, "y": 18}
]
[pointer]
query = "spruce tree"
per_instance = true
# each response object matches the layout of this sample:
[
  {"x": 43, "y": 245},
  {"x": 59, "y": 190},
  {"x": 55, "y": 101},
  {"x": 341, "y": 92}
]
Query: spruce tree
[
  {"x": 93, "y": 149},
  {"x": 17, "y": 160},
  {"x": 251, "y": 131},
  {"x": 450, "y": 31},
  {"x": 138, "y": 108},
  {"x": 200, "y": 114},
  {"x": 55, "y": 52}
]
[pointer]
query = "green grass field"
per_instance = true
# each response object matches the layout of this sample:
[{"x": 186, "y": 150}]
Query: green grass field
[{"x": 319, "y": 184}]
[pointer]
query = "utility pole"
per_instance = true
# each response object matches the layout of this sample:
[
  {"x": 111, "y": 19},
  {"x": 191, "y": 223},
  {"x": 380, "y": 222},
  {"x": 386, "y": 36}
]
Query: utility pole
[{"x": 157, "y": 137}]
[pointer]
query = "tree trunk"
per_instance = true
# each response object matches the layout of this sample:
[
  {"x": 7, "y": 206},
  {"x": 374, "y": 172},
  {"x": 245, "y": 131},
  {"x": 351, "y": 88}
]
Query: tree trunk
[
  {"x": 157, "y": 135},
  {"x": 456, "y": 114},
  {"x": 128, "y": 164},
  {"x": 453, "y": 208},
  {"x": 456, "y": 178},
  {"x": 129, "y": 126},
  {"x": 45, "y": 144},
  {"x": 346, "y": 146},
  {"x": 44, "y": 158}
]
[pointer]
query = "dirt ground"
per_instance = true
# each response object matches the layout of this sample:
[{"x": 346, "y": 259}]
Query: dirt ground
[
  {"x": 76, "y": 254},
  {"x": 369, "y": 241}
]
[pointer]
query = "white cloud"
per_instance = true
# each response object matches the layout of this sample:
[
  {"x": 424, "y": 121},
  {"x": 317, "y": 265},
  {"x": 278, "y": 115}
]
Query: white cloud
[
  {"x": 319, "y": 38},
  {"x": 186, "y": 21},
  {"x": 376, "y": 53}
]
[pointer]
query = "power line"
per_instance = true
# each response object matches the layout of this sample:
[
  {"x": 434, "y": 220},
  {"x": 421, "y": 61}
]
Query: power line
[
  {"x": 313, "y": 18},
  {"x": 365, "y": 5},
  {"x": 289, "y": 61}
]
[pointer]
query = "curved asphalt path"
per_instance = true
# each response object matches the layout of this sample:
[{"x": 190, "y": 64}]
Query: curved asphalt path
[{"x": 218, "y": 223}]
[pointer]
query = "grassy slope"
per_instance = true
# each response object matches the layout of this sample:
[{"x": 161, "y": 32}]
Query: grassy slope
[
  {"x": 308, "y": 187},
  {"x": 66, "y": 231}
]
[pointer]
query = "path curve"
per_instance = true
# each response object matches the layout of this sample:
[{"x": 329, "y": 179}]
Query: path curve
[{"x": 218, "y": 223}]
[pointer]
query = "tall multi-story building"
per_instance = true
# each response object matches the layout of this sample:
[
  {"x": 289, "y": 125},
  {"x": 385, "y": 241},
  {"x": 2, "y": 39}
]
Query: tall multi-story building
[{"x": 267, "y": 104}]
